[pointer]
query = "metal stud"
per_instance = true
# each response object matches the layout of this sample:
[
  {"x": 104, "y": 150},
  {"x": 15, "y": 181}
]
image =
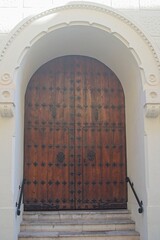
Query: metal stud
[
  {"x": 43, "y": 182},
  {"x": 35, "y": 182},
  {"x": 50, "y": 182},
  {"x": 43, "y": 164},
  {"x": 35, "y": 164},
  {"x": 57, "y": 182}
]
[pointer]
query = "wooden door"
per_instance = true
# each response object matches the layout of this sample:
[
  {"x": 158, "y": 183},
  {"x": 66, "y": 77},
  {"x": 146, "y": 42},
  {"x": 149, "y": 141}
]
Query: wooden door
[{"x": 74, "y": 137}]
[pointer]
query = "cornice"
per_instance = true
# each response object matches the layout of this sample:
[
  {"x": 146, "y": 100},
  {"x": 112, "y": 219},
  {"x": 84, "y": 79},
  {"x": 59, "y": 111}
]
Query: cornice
[{"x": 89, "y": 6}]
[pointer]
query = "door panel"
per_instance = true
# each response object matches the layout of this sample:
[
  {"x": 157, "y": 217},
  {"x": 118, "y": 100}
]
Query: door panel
[{"x": 74, "y": 137}]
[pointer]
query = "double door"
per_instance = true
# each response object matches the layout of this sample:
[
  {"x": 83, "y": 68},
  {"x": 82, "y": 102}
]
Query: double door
[{"x": 74, "y": 155}]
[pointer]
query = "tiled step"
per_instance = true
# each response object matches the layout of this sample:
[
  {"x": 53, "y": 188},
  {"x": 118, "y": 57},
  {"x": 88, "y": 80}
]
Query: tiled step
[{"x": 80, "y": 225}]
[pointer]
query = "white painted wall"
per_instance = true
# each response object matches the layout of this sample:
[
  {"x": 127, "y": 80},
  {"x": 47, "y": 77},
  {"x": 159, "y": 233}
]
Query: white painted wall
[{"x": 122, "y": 48}]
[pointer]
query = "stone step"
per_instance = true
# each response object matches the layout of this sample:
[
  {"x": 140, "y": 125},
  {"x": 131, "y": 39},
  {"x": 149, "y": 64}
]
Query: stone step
[
  {"x": 57, "y": 215},
  {"x": 79, "y": 225},
  {"x": 105, "y": 235}
]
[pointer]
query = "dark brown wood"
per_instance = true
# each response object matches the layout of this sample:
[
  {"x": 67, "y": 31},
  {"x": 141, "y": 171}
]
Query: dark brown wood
[{"x": 74, "y": 137}]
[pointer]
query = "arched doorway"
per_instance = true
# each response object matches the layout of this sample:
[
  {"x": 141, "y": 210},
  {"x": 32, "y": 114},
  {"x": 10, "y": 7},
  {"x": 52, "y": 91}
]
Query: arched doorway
[
  {"x": 117, "y": 42},
  {"x": 74, "y": 137}
]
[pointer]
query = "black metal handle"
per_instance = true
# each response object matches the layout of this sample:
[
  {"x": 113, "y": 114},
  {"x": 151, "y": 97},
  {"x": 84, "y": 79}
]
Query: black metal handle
[
  {"x": 140, "y": 203},
  {"x": 20, "y": 198}
]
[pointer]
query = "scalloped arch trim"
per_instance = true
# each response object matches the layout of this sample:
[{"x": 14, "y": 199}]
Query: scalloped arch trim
[{"x": 89, "y": 6}]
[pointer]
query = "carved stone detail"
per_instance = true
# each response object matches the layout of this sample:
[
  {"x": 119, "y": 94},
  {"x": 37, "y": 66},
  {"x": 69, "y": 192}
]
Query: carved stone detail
[
  {"x": 152, "y": 103},
  {"x": 5, "y": 79},
  {"x": 6, "y": 110},
  {"x": 151, "y": 96},
  {"x": 6, "y": 95},
  {"x": 152, "y": 80},
  {"x": 7, "y": 100},
  {"x": 152, "y": 110}
]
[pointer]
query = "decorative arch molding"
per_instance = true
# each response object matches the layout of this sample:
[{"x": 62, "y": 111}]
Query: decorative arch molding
[
  {"x": 89, "y": 6},
  {"x": 105, "y": 19}
]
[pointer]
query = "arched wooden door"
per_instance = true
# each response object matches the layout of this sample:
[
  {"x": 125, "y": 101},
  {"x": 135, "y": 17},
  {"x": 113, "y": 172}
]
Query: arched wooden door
[{"x": 74, "y": 137}]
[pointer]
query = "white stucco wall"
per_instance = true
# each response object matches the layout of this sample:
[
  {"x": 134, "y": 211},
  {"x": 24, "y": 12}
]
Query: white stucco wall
[{"x": 34, "y": 46}]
